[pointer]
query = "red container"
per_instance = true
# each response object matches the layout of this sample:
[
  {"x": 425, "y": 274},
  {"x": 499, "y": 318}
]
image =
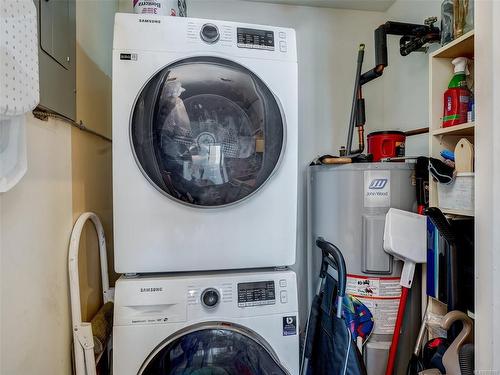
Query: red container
[
  {"x": 456, "y": 105},
  {"x": 386, "y": 144}
]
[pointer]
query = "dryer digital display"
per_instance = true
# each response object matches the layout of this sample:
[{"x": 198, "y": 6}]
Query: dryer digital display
[
  {"x": 256, "y": 293},
  {"x": 256, "y": 39}
]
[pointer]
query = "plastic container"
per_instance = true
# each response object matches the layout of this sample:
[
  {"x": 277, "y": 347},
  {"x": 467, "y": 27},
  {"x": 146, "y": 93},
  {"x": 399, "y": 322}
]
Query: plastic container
[
  {"x": 386, "y": 144},
  {"x": 458, "y": 196}
]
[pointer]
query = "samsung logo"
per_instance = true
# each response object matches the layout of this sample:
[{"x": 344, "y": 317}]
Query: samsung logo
[
  {"x": 151, "y": 290},
  {"x": 148, "y": 20},
  {"x": 378, "y": 183}
]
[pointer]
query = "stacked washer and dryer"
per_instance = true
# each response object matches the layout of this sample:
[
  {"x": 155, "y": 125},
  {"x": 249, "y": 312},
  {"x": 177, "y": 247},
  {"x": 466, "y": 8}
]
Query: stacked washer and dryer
[{"x": 205, "y": 197}]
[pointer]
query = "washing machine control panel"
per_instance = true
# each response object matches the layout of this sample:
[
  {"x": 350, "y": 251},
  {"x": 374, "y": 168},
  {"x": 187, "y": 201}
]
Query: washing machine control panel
[
  {"x": 256, "y": 293},
  {"x": 255, "y": 39},
  {"x": 177, "y": 299}
]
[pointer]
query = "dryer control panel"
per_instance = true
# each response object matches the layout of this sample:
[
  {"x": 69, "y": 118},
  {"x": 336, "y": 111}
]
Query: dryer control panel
[{"x": 195, "y": 36}]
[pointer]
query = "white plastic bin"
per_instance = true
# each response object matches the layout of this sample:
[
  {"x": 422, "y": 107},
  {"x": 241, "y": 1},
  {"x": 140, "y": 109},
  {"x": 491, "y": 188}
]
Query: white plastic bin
[{"x": 458, "y": 196}]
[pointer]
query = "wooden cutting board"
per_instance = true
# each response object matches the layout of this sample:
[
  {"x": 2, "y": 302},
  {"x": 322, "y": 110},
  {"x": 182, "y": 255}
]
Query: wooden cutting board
[{"x": 464, "y": 156}]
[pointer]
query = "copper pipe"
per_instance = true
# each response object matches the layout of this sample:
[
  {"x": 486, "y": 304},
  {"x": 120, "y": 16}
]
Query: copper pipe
[
  {"x": 419, "y": 131},
  {"x": 361, "y": 138}
]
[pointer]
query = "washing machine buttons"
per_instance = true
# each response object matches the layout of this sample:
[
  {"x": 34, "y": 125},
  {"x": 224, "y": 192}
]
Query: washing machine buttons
[
  {"x": 209, "y": 33},
  {"x": 283, "y": 296},
  {"x": 210, "y": 298},
  {"x": 283, "y": 46}
]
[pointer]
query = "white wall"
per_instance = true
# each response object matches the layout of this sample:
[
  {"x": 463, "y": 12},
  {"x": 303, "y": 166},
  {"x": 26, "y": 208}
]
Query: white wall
[
  {"x": 94, "y": 29},
  {"x": 406, "y": 80},
  {"x": 378, "y": 5},
  {"x": 36, "y": 216},
  {"x": 36, "y": 220},
  {"x": 487, "y": 235},
  {"x": 94, "y": 37}
]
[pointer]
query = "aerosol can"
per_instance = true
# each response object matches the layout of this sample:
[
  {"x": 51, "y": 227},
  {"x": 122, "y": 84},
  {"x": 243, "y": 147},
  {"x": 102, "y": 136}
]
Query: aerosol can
[{"x": 457, "y": 97}]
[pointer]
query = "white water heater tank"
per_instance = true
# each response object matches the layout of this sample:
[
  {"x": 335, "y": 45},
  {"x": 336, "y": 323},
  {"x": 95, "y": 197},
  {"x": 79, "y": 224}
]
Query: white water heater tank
[{"x": 347, "y": 207}]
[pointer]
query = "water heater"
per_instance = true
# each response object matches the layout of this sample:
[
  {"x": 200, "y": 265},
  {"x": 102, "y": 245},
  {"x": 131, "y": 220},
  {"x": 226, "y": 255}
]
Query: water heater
[{"x": 347, "y": 206}]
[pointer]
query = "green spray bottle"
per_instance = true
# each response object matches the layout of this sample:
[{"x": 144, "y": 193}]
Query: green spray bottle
[{"x": 457, "y": 97}]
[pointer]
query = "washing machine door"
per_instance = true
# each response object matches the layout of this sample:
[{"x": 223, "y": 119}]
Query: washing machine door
[
  {"x": 214, "y": 348},
  {"x": 207, "y": 132}
]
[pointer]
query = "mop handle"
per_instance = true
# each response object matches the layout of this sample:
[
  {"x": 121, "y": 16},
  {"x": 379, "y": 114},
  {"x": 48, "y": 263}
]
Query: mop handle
[{"x": 393, "y": 351}]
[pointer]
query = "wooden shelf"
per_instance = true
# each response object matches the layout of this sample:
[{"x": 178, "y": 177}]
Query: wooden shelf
[
  {"x": 456, "y": 212},
  {"x": 463, "y": 46},
  {"x": 440, "y": 73},
  {"x": 462, "y": 129}
]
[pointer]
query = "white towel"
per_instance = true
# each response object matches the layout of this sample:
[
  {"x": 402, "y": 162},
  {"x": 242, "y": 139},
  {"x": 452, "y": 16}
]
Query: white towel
[
  {"x": 19, "y": 87},
  {"x": 13, "y": 158}
]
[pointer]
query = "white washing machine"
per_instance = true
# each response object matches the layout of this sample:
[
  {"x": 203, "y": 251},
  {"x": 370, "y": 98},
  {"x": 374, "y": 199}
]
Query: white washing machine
[
  {"x": 204, "y": 144},
  {"x": 225, "y": 323}
]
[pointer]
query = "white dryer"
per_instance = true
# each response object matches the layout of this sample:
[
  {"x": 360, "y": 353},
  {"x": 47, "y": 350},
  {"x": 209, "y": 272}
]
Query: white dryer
[
  {"x": 225, "y": 323},
  {"x": 204, "y": 144}
]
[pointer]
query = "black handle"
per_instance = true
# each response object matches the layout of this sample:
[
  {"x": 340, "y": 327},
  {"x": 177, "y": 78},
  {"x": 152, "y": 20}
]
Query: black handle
[{"x": 330, "y": 250}]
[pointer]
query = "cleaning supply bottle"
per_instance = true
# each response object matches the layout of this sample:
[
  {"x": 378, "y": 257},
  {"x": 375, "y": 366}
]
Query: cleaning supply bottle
[{"x": 457, "y": 97}]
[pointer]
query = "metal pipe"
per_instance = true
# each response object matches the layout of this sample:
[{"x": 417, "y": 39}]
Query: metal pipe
[
  {"x": 414, "y": 36},
  {"x": 353, "y": 118},
  {"x": 419, "y": 131}
]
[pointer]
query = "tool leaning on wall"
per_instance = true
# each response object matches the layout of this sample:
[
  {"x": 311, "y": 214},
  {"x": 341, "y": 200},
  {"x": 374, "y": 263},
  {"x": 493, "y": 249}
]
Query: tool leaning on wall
[
  {"x": 91, "y": 340},
  {"x": 404, "y": 238}
]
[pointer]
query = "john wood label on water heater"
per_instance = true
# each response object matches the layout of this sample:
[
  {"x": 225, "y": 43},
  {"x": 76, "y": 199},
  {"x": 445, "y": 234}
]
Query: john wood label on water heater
[{"x": 377, "y": 189}]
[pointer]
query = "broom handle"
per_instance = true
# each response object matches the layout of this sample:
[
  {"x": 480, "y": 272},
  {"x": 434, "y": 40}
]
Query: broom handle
[
  {"x": 421, "y": 333},
  {"x": 393, "y": 351}
]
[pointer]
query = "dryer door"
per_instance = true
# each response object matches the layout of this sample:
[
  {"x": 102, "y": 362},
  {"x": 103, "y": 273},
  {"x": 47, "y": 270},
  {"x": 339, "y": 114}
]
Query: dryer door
[
  {"x": 214, "y": 348},
  {"x": 207, "y": 132}
]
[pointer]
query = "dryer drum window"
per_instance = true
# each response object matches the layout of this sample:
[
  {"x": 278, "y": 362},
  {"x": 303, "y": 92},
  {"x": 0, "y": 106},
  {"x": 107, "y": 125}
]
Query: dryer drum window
[
  {"x": 207, "y": 132},
  {"x": 215, "y": 351}
]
